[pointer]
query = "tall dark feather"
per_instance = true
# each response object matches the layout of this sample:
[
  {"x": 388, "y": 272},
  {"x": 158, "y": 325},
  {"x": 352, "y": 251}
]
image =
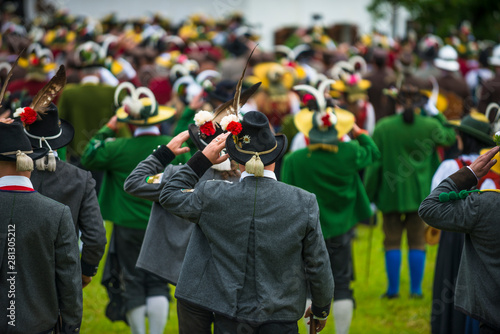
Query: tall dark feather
[
  {"x": 232, "y": 106},
  {"x": 42, "y": 99},
  {"x": 9, "y": 75},
  {"x": 229, "y": 105}
]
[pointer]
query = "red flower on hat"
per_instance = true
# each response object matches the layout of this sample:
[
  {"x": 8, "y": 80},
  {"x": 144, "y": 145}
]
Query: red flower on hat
[
  {"x": 28, "y": 115},
  {"x": 234, "y": 127},
  {"x": 208, "y": 129},
  {"x": 326, "y": 120},
  {"x": 35, "y": 61}
]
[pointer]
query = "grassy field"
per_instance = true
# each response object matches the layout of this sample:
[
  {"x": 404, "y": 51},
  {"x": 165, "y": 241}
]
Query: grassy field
[{"x": 372, "y": 314}]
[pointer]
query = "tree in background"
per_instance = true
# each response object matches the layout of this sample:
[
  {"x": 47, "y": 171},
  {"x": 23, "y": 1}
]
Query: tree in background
[{"x": 442, "y": 17}]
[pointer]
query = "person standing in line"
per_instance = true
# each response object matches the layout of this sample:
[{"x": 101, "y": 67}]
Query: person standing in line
[{"x": 257, "y": 244}]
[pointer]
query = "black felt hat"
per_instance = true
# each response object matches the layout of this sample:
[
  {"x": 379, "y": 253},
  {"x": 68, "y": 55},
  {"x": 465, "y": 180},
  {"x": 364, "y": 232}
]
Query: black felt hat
[
  {"x": 55, "y": 131},
  {"x": 224, "y": 91},
  {"x": 200, "y": 139},
  {"x": 13, "y": 141},
  {"x": 256, "y": 138}
]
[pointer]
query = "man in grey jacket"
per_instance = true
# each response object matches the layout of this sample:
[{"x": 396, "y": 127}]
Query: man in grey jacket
[
  {"x": 257, "y": 244},
  {"x": 70, "y": 185},
  {"x": 39, "y": 262},
  {"x": 451, "y": 207}
]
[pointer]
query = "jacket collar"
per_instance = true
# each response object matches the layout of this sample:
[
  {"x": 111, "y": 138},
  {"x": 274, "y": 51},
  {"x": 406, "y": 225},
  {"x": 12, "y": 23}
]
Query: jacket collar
[{"x": 267, "y": 173}]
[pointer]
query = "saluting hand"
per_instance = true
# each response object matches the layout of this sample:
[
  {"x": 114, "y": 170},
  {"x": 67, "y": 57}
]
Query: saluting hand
[
  {"x": 175, "y": 145},
  {"x": 483, "y": 164},
  {"x": 212, "y": 150}
]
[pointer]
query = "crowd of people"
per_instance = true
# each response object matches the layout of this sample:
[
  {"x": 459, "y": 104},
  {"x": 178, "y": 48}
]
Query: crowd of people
[{"x": 239, "y": 174}]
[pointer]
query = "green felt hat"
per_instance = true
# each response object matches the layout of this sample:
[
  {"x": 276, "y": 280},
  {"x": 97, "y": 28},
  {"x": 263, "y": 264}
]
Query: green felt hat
[{"x": 476, "y": 125}]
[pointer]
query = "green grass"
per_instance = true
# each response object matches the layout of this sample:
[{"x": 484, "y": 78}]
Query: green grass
[{"x": 372, "y": 314}]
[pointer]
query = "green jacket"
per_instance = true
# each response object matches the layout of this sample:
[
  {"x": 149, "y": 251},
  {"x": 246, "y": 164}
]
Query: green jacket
[
  {"x": 118, "y": 157},
  {"x": 87, "y": 107},
  {"x": 401, "y": 180},
  {"x": 334, "y": 179}
]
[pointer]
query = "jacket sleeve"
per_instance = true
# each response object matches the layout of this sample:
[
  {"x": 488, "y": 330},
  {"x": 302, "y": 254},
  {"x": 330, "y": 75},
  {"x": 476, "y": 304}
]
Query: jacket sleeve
[
  {"x": 146, "y": 180},
  {"x": 317, "y": 264},
  {"x": 367, "y": 152},
  {"x": 179, "y": 195},
  {"x": 373, "y": 172},
  {"x": 91, "y": 225},
  {"x": 68, "y": 274},
  {"x": 459, "y": 215},
  {"x": 97, "y": 154}
]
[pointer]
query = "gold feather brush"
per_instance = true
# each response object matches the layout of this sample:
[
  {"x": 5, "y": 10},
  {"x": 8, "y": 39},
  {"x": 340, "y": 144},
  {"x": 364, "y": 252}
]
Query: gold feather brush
[
  {"x": 232, "y": 106},
  {"x": 9, "y": 75},
  {"x": 42, "y": 99}
]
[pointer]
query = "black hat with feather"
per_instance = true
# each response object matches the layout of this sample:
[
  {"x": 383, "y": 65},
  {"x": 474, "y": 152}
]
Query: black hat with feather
[
  {"x": 208, "y": 125},
  {"x": 14, "y": 145},
  {"x": 42, "y": 124}
]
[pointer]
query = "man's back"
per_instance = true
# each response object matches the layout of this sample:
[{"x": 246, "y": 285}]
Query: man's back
[
  {"x": 260, "y": 239},
  {"x": 75, "y": 188},
  {"x": 87, "y": 107},
  {"x": 46, "y": 268}
]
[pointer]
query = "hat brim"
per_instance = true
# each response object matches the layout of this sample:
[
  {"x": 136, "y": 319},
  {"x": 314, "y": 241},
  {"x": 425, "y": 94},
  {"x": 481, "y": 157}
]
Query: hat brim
[
  {"x": 67, "y": 134},
  {"x": 345, "y": 121},
  {"x": 481, "y": 136},
  {"x": 493, "y": 61},
  {"x": 448, "y": 65},
  {"x": 164, "y": 113},
  {"x": 267, "y": 159},
  {"x": 194, "y": 134},
  {"x": 37, "y": 154}
]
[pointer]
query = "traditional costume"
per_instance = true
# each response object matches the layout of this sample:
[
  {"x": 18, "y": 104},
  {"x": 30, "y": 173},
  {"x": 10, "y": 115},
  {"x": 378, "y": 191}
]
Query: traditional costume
[
  {"x": 130, "y": 215},
  {"x": 476, "y": 289},
  {"x": 40, "y": 265},
  {"x": 330, "y": 169},
  {"x": 475, "y": 133},
  {"x": 168, "y": 234},
  {"x": 400, "y": 181},
  {"x": 267, "y": 238},
  {"x": 64, "y": 182}
]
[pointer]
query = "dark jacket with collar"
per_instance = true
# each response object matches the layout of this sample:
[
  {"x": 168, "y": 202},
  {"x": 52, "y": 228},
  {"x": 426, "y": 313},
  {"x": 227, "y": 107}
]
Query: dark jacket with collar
[
  {"x": 477, "y": 290},
  {"x": 256, "y": 247},
  {"x": 75, "y": 188},
  {"x": 48, "y": 278},
  {"x": 167, "y": 235}
]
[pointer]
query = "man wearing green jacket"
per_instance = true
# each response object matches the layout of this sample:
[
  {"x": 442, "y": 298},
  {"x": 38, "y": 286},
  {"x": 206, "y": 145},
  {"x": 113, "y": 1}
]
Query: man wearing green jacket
[
  {"x": 401, "y": 180},
  {"x": 330, "y": 169},
  {"x": 143, "y": 293}
]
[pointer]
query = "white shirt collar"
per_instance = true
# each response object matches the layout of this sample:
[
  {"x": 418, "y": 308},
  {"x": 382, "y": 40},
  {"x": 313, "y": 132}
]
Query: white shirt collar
[
  {"x": 267, "y": 173},
  {"x": 15, "y": 180},
  {"x": 150, "y": 130}
]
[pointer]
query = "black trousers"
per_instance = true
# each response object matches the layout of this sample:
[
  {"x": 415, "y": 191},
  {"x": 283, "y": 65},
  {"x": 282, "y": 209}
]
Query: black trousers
[
  {"x": 223, "y": 325},
  {"x": 193, "y": 319}
]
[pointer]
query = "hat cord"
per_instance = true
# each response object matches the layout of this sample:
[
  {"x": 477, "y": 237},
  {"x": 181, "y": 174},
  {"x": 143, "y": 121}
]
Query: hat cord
[
  {"x": 256, "y": 153},
  {"x": 51, "y": 159},
  {"x": 255, "y": 166}
]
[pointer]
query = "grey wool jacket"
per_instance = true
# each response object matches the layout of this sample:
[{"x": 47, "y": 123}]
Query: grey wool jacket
[
  {"x": 167, "y": 235},
  {"x": 256, "y": 247},
  {"x": 47, "y": 264},
  {"x": 75, "y": 188},
  {"x": 477, "y": 290}
]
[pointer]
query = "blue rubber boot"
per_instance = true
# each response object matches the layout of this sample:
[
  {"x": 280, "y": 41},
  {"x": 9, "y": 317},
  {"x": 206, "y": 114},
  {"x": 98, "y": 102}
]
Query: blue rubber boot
[
  {"x": 392, "y": 267},
  {"x": 417, "y": 264}
]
